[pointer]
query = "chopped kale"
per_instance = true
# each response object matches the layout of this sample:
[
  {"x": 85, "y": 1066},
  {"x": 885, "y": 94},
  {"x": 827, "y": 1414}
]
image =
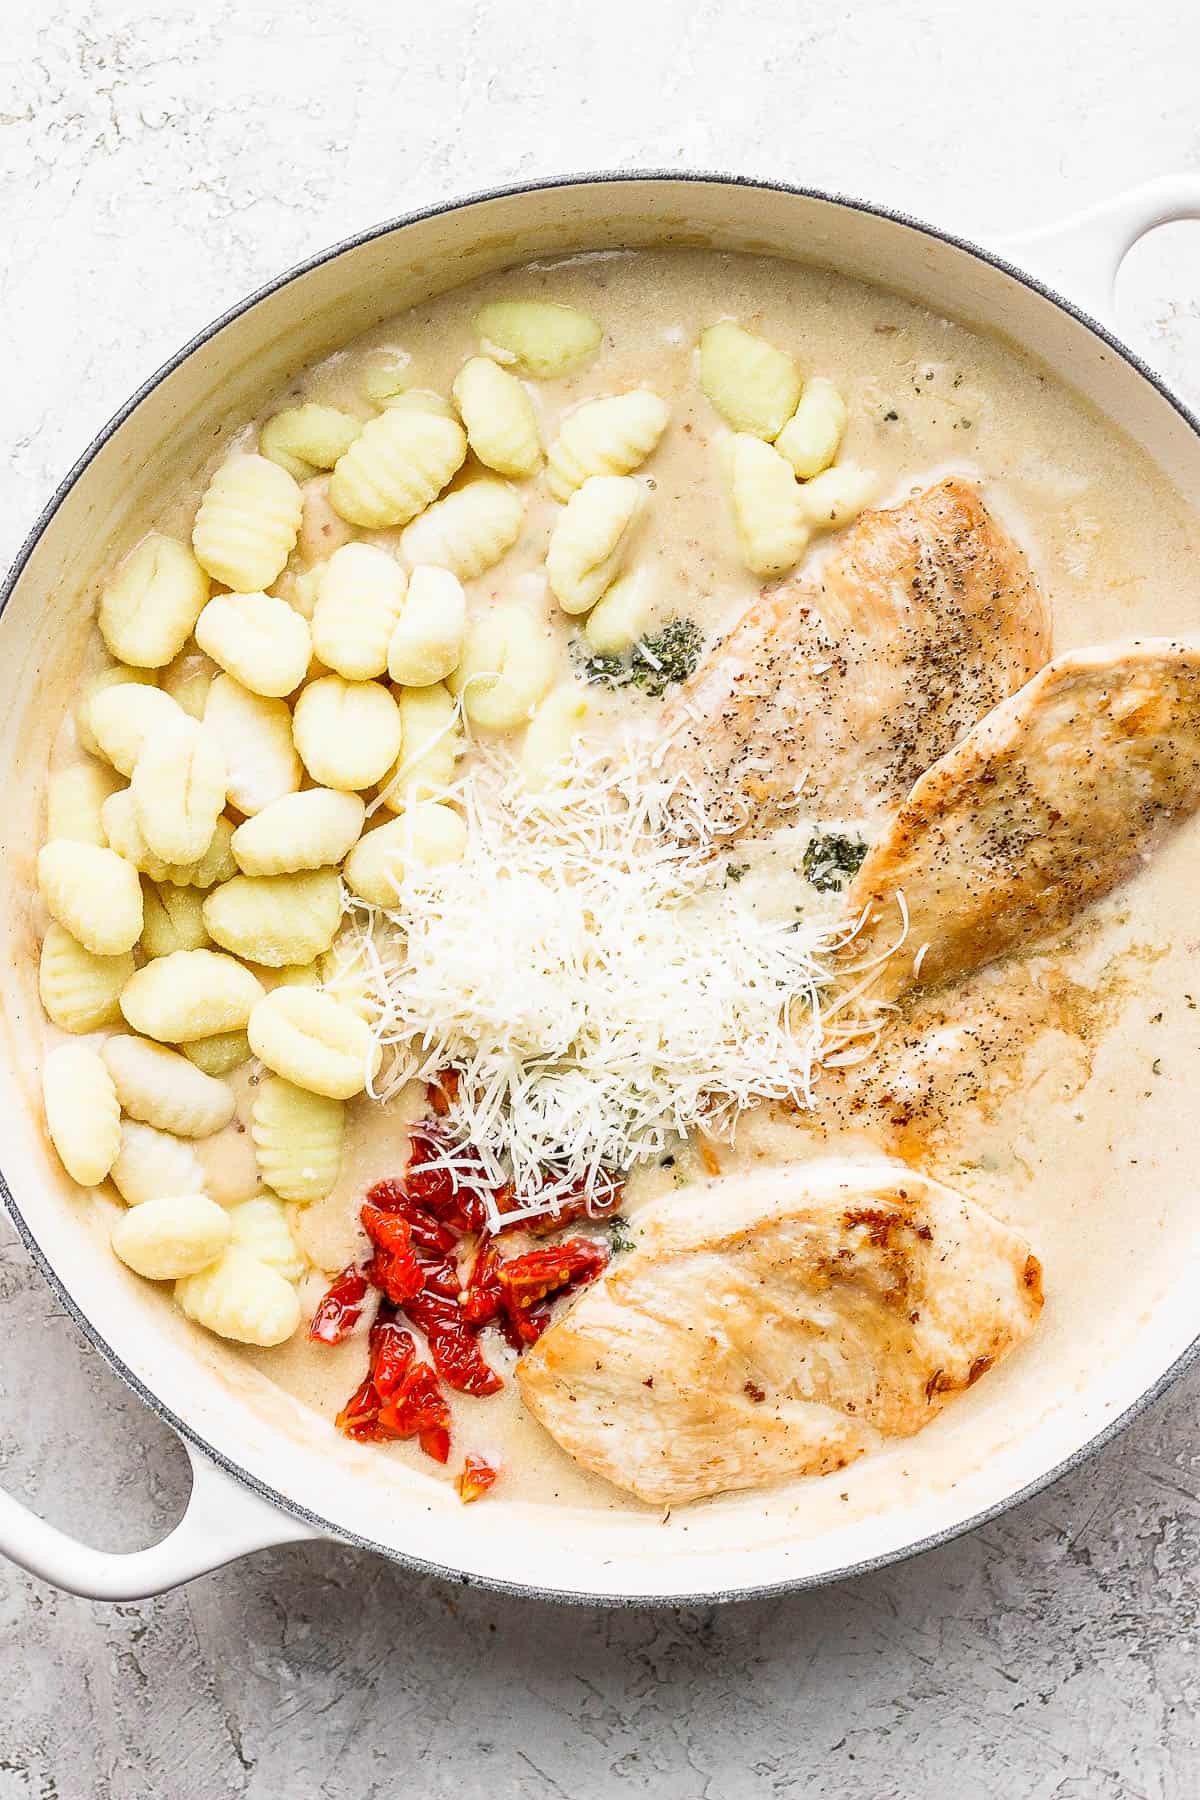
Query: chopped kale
[
  {"x": 830, "y": 860},
  {"x": 654, "y": 663},
  {"x": 618, "y": 1235},
  {"x": 735, "y": 871}
]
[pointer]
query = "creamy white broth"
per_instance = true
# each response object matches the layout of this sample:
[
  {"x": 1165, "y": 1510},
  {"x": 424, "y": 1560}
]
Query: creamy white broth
[{"x": 1064, "y": 1111}]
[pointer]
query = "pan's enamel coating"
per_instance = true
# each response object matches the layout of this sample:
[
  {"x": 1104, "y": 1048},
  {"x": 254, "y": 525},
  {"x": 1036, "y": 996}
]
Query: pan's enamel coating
[{"x": 263, "y": 1441}]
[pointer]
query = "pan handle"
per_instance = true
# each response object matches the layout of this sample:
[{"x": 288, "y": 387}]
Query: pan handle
[
  {"x": 221, "y": 1522},
  {"x": 1080, "y": 255}
]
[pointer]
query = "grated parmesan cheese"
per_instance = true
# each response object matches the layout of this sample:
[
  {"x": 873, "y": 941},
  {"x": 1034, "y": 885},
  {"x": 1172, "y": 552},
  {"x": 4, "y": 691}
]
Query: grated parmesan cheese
[{"x": 600, "y": 989}]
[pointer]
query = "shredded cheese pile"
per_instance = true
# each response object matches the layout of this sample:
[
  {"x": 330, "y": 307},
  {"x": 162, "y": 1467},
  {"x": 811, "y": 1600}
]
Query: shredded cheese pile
[{"x": 600, "y": 988}]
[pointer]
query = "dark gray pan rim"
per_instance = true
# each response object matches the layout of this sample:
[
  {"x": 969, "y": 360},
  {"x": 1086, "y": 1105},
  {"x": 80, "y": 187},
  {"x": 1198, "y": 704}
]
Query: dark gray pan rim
[{"x": 422, "y": 1565}]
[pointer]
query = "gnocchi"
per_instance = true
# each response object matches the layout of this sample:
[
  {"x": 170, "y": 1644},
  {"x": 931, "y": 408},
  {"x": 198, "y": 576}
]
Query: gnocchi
[
  {"x": 299, "y": 831},
  {"x": 427, "y": 638},
  {"x": 772, "y": 526},
  {"x": 541, "y": 336},
  {"x": 313, "y": 1041},
  {"x": 431, "y": 743},
  {"x": 385, "y": 376},
  {"x": 190, "y": 994},
  {"x": 74, "y": 799},
  {"x": 425, "y": 834},
  {"x": 361, "y": 596},
  {"x": 152, "y": 1164},
  {"x": 469, "y": 531},
  {"x": 590, "y": 540},
  {"x": 82, "y": 1114},
  {"x": 260, "y": 1227},
  {"x": 298, "y": 1139},
  {"x": 812, "y": 435},
  {"x": 80, "y": 991},
  {"x": 302, "y": 439},
  {"x": 121, "y": 718},
  {"x": 612, "y": 436},
  {"x": 162, "y": 1088},
  {"x": 178, "y": 792},
  {"x": 93, "y": 893},
  {"x": 398, "y": 463},
  {"x": 507, "y": 666},
  {"x": 551, "y": 735},
  {"x": 239, "y": 1297},
  {"x": 754, "y": 386},
  {"x": 275, "y": 919},
  {"x": 125, "y": 835},
  {"x": 347, "y": 732},
  {"x": 258, "y": 639},
  {"x": 255, "y": 737},
  {"x": 620, "y": 616},
  {"x": 172, "y": 1236},
  {"x": 499, "y": 417},
  {"x": 172, "y": 919},
  {"x": 149, "y": 608},
  {"x": 303, "y": 590},
  {"x": 115, "y": 675},
  {"x": 219, "y": 1054},
  {"x": 247, "y": 523},
  {"x": 837, "y": 496},
  {"x": 187, "y": 681}
]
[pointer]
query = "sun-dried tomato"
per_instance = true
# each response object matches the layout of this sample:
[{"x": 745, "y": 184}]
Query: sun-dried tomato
[
  {"x": 456, "y": 1355},
  {"x": 392, "y": 1350},
  {"x": 418, "y": 1408},
  {"x": 451, "y": 1200},
  {"x": 524, "y": 1328},
  {"x": 526, "y": 1281},
  {"x": 597, "y": 1202},
  {"x": 395, "y": 1267},
  {"x": 357, "y": 1418},
  {"x": 475, "y": 1479},
  {"x": 483, "y": 1296},
  {"x": 392, "y": 1196},
  {"x": 442, "y": 1091},
  {"x": 341, "y": 1308}
]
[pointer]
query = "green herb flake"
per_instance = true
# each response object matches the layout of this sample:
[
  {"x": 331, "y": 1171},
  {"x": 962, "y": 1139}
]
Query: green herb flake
[
  {"x": 831, "y": 860},
  {"x": 654, "y": 664},
  {"x": 619, "y": 1236},
  {"x": 735, "y": 871}
]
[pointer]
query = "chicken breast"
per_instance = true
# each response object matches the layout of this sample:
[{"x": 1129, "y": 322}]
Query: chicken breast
[
  {"x": 1054, "y": 798},
  {"x": 846, "y": 688},
  {"x": 780, "y": 1323}
]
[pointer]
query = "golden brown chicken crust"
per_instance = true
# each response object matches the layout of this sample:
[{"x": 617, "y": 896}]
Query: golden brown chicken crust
[
  {"x": 844, "y": 689},
  {"x": 1048, "y": 803}
]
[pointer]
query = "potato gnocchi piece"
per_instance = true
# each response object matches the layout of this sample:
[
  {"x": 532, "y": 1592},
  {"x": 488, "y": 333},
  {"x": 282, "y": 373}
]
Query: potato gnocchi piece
[
  {"x": 590, "y": 540},
  {"x": 837, "y": 496},
  {"x": 239, "y": 1298},
  {"x": 173, "y": 1236},
  {"x": 469, "y": 531},
  {"x": 247, "y": 524},
  {"x": 298, "y": 1139},
  {"x": 122, "y": 717},
  {"x": 255, "y": 736},
  {"x": 152, "y": 1164},
  {"x": 79, "y": 991},
  {"x": 310, "y": 830},
  {"x": 347, "y": 732},
  {"x": 507, "y": 666},
  {"x": 620, "y": 616},
  {"x": 427, "y": 639},
  {"x": 258, "y": 639},
  {"x": 499, "y": 417},
  {"x": 540, "y": 336},
  {"x": 148, "y": 609},
  {"x": 423, "y": 400},
  {"x": 261, "y": 1228},
  {"x": 313, "y": 1041},
  {"x": 161, "y": 1088},
  {"x": 399, "y": 463},
  {"x": 74, "y": 797},
  {"x": 116, "y": 675},
  {"x": 190, "y": 994},
  {"x": 551, "y": 735},
  {"x": 302, "y": 439},
  {"x": 386, "y": 374},
  {"x": 346, "y": 977},
  {"x": 172, "y": 919},
  {"x": 93, "y": 893},
  {"x": 307, "y": 974},
  {"x": 612, "y": 436},
  {"x": 362, "y": 593},
  {"x": 82, "y": 1114},
  {"x": 302, "y": 589},
  {"x": 178, "y": 791},
  {"x": 322, "y": 528},
  {"x": 773, "y": 529},
  {"x": 754, "y": 386},
  {"x": 431, "y": 743},
  {"x": 127, "y": 838},
  {"x": 220, "y": 1054},
  {"x": 426, "y": 833},
  {"x": 812, "y": 436},
  {"x": 187, "y": 681},
  {"x": 276, "y": 919}
]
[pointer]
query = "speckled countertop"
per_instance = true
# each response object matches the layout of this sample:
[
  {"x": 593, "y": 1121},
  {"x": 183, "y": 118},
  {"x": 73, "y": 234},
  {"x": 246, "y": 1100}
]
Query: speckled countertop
[{"x": 158, "y": 161}]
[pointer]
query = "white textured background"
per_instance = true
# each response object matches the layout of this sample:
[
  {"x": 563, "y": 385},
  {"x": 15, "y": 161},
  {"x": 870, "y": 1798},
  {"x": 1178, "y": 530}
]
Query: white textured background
[{"x": 158, "y": 161}]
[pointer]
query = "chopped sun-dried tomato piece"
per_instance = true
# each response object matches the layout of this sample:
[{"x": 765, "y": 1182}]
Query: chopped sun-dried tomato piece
[
  {"x": 456, "y": 1355},
  {"x": 597, "y": 1202},
  {"x": 452, "y": 1201},
  {"x": 357, "y": 1418},
  {"x": 341, "y": 1308},
  {"x": 419, "y": 1409},
  {"x": 524, "y": 1328},
  {"x": 526, "y": 1281},
  {"x": 475, "y": 1479},
  {"x": 442, "y": 1091},
  {"x": 392, "y": 1351},
  {"x": 483, "y": 1294},
  {"x": 394, "y": 1268},
  {"x": 392, "y": 1196}
]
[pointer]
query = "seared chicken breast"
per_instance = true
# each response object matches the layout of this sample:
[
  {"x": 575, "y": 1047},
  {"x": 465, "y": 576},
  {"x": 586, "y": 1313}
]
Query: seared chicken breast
[
  {"x": 780, "y": 1323},
  {"x": 835, "y": 694},
  {"x": 1049, "y": 802}
]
